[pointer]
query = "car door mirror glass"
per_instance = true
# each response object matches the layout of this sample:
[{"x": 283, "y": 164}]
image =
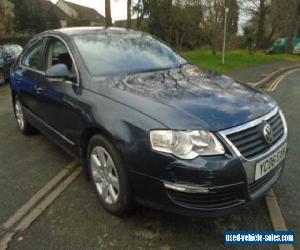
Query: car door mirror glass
[{"x": 59, "y": 71}]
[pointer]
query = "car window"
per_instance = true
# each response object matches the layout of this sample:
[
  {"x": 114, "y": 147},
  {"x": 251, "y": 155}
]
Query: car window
[
  {"x": 31, "y": 58},
  {"x": 58, "y": 53}
]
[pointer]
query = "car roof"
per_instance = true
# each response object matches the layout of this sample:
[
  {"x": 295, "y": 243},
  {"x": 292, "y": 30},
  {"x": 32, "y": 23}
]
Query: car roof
[{"x": 83, "y": 30}]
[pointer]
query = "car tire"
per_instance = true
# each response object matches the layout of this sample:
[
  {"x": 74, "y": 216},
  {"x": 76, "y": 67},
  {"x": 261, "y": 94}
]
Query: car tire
[
  {"x": 24, "y": 126},
  {"x": 2, "y": 77},
  {"x": 109, "y": 177}
]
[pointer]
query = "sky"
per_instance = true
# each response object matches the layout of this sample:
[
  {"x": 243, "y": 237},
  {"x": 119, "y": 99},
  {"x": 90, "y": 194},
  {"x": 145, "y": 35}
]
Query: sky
[{"x": 118, "y": 7}]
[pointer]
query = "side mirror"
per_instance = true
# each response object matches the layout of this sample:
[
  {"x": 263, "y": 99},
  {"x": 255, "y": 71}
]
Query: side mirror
[{"x": 59, "y": 72}]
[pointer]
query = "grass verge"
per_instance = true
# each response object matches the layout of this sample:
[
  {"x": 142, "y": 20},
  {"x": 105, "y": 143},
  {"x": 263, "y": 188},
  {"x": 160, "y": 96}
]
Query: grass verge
[{"x": 234, "y": 59}]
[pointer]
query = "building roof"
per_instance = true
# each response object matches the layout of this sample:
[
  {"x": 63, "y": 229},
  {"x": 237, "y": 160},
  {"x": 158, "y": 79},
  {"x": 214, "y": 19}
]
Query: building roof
[
  {"x": 85, "y": 12},
  {"x": 47, "y": 4},
  {"x": 58, "y": 12}
]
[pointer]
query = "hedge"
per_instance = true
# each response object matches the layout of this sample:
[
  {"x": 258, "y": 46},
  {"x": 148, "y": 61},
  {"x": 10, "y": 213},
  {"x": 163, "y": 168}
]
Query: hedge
[{"x": 21, "y": 40}]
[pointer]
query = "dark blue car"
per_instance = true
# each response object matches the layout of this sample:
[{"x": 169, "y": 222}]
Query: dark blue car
[
  {"x": 8, "y": 55},
  {"x": 147, "y": 125}
]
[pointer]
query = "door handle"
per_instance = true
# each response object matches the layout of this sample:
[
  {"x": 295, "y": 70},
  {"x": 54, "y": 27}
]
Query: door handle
[{"x": 38, "y": 89}]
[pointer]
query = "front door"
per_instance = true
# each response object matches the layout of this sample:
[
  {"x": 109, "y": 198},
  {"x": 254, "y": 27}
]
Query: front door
[{"x": 59, "y": 102}]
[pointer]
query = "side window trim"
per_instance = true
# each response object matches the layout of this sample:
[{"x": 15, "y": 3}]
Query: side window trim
[
  {"x": 48, "y": 40},
  {"x": 41, "y": 38}
]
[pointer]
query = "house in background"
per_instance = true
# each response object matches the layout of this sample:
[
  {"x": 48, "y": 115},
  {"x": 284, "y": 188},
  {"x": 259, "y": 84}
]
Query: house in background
[
  {"x": 70, "y": 14},
  {"x": 75, "y": 13},
  {"x": 63, "y": 17}
]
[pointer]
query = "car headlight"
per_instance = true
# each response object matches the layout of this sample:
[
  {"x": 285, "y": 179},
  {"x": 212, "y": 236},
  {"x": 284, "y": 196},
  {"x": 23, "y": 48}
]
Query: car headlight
[{"x": 186, "y": 144}]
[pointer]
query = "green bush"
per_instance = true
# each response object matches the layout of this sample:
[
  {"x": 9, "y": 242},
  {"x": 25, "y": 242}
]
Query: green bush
[{"x": 21, "y": 40}]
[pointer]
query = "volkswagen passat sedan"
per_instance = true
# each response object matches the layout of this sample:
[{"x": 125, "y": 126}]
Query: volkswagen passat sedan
[{"x": 147, "y": 125}]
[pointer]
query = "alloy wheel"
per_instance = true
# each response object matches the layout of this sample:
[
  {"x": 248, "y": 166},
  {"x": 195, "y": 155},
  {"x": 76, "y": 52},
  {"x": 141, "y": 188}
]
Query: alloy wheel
[
  {"x": 105, "y": 175},
  {"x": 19, "y": 114}
]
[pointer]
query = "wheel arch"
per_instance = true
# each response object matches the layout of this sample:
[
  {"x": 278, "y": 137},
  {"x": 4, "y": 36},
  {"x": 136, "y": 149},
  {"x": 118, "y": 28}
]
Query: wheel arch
[
  {"x": 13, "y": 98},
  {"x": 86, "y": 136}
]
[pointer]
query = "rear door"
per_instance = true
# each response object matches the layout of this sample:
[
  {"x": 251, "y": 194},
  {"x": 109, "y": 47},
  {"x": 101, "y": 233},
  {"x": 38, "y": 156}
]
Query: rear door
[{"x": 26, "y": 73}]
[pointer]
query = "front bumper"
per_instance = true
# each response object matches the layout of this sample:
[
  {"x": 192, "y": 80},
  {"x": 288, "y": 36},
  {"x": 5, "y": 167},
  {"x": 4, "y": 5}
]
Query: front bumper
[
  {"x": 207, "y": 185},
  {"x": 221, "y": 199}
]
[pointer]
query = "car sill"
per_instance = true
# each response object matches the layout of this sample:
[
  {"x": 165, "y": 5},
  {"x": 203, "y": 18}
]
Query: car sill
[{"x": 49, "y": 127}]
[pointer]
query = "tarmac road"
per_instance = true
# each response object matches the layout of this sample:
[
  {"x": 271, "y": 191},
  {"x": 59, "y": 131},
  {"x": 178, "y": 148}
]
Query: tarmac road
[
  {"x": 288, "y": 188},
  {"x": 26, "y": 163},
  {"x": 77, "y": 221}
]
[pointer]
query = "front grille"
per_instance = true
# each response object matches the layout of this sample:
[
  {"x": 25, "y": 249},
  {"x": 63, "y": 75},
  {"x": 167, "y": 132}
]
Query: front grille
[
  {"x": 250, "y": 142},
  {"x": 206, "y": 201},
  {"x": 256, "y": 186}
]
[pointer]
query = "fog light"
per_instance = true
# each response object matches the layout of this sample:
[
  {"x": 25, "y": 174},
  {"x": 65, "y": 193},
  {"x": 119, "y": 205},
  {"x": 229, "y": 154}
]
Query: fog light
[{"x": 186, "y": 188}]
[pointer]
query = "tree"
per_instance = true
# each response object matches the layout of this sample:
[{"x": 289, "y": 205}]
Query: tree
[
  {"x": 293, "y": 23},
  {"x": 108, "y": 21},
  {"x": 177, "y": 22},
  {"x": 141, "y": 9},
  {"x": 233, "y": 19},
  {"x": 212, "y": 22},
  {"x": 188, "y": 23},
  {"x": 52, "y": 19},
  {"x": 185, "y": 25},
  {"x": 259, "y": 10},
  {"x": 34, "y": 17},
  {"x": 128, "y": 14},
  {"x": 77, "y": 22},
  {"x": 160, "y": 18},
  {"x": 280, "y": 24},
  {"x": 7, "y": 15}
]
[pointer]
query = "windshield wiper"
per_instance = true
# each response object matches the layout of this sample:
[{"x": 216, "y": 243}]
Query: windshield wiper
[
  {"x": 151, "y": 70},
  {"x": 183, "y": 64},
  {"x": 159, "y": 69}
]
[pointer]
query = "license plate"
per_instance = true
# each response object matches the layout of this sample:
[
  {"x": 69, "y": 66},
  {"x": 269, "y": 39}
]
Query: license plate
[{"x": 265, "y": 166}]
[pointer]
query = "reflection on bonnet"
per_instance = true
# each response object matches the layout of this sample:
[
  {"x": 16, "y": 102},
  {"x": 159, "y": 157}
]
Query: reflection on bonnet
[{"x": 184, "y": 83}]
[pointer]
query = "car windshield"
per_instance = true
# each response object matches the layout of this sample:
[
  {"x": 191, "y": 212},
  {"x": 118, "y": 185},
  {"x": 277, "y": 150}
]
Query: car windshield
[{"x": 117, "y": 53}]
